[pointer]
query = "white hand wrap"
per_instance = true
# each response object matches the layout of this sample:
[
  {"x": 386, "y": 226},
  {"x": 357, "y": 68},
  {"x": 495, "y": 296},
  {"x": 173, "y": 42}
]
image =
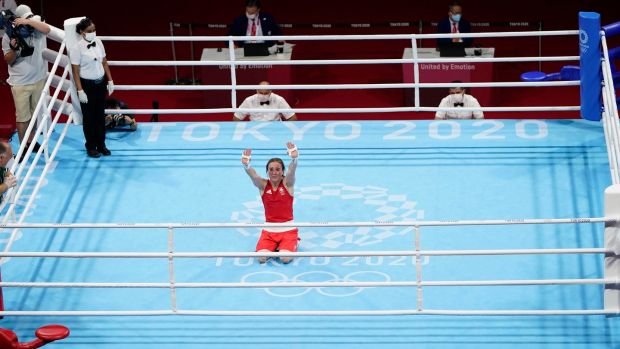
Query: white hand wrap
[
  {"x": 244, "y": 157},
  {"x": 291, "y": 150}
]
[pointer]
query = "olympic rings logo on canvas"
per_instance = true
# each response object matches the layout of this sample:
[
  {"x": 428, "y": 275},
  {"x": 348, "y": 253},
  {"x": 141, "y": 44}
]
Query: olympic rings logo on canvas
[{"x": 315, "y": 276}]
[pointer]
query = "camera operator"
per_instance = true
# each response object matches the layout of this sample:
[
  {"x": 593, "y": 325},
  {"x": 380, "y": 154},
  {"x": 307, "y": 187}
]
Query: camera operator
[
  {"x": 7, "y": 5},
  {"x": 11, "y": 6},
  {"x": 27, "y": 70}
]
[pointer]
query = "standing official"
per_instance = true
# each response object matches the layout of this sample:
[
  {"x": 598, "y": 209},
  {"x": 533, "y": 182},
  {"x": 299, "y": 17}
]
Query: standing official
[{"x": 90, "y": 73}]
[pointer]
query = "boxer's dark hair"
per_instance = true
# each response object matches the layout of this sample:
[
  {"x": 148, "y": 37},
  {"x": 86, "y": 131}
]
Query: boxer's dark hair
[{"x": 278, "y": 160}]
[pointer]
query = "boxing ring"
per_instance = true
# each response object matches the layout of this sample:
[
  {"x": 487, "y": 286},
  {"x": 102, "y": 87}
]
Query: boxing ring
[{"x": 495, "y": 227}]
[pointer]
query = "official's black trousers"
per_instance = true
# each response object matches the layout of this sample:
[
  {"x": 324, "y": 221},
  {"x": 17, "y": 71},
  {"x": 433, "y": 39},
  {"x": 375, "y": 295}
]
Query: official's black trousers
[{"x": 93, "y": 113}]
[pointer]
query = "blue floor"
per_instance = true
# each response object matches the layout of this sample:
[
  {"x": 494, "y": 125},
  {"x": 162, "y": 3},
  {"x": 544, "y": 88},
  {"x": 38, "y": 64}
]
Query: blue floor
[{"x": 348, "y": 171}]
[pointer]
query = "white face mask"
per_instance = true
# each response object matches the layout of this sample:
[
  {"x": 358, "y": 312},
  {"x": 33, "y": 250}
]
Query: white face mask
[
  {"x": 90, "y": 36},
  {"x": 457, "y": 98},
  {"x": 263, "y": 98},
  {"x": 250, "y": 16}
]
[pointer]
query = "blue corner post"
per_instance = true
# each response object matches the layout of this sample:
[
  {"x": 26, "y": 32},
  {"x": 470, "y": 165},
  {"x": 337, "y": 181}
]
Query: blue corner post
[{"x": 590, "y": 65}]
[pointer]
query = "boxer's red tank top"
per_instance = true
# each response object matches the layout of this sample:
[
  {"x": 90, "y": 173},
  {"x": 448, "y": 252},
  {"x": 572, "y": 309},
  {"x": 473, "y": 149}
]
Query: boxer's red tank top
[{"x": 278, "y": 204}]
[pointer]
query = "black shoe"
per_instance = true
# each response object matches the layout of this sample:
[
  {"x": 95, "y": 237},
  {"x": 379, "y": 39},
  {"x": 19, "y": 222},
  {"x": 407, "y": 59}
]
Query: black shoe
[
  {"x": 21, "y": 158},
  {"x": 104, "y": 151},
  {"x": 36, "y": 147},
  {"x": 93, "y": 153}
]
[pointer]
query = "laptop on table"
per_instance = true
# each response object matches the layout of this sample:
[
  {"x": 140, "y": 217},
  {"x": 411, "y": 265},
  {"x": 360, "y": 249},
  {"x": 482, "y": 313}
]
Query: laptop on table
[
  {"x": 452, "y": 49},
  {"x": 254, "y": 49}
]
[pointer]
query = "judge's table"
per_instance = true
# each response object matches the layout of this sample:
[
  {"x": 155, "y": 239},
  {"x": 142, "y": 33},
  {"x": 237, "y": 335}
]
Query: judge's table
[
  {"x": 448, "y": 72},
  {"x": 251, "y": 74}
]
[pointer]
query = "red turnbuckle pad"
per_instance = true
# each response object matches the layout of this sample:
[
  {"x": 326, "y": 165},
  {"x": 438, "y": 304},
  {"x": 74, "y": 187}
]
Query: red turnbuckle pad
[
  {"x": 45, "y": 334},
  {"x": 51, "y": 333}
]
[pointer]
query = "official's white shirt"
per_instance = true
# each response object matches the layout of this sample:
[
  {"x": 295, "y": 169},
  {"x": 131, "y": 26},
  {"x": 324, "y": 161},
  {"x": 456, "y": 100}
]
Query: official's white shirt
[
  {"x": 88, "y": 58},
  {"x": 468, "y": 102},
  {"x": 275, "y": 102}
]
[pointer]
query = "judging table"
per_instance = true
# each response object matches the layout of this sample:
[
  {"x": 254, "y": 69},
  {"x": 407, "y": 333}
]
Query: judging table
[
  {"x": 448, "y": 72},
  {"x": 251, "y": 74}
]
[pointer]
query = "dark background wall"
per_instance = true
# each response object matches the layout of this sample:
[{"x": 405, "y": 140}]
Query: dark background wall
[{"x": 115, "y": 17}]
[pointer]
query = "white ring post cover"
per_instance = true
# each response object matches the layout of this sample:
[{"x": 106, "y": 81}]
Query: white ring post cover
[
  {"x": 612, "y": 242},
  {"x": 71, "y": 39}
]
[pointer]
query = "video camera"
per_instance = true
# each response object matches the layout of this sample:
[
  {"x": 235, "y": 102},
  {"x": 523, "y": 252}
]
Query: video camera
[{"x": 19, "y": 33}]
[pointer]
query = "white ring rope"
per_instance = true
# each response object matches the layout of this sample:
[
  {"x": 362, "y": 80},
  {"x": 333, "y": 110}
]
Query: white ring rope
[
  {"x": 610, "y": 137},
  {"x": 611, "y": 134},
  {"x": 344, "y": 61},
  {"x": 340, "y": 110},
  {"x": 416, "y": 72},
  {"x": 38, "y": 184},
  {"x": 343, "y": 86},
  {"x": 610, "y": 113},
  {"x": 313, "y": 312},
  {"x": 243, "y": 254},
  {"x": 17, "y": 168},
  {"x": 346, "y": 37},
  {"x": 292, "y": 284},
  {"x": 582, "y": 220}
]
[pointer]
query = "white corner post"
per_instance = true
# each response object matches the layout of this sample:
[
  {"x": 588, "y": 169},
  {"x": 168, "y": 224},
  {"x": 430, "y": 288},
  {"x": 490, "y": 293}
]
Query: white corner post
[
  {"x": 612, "y": 242},
  {"x": 71, "y": 39}
]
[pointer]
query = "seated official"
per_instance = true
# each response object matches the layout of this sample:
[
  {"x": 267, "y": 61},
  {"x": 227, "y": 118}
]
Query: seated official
[
  {"x": 456, "y": 99},
  {"x": 454, "y": 23},
  {"x": 265, "y": 99},
  {"x": 254, "y": 23}
]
